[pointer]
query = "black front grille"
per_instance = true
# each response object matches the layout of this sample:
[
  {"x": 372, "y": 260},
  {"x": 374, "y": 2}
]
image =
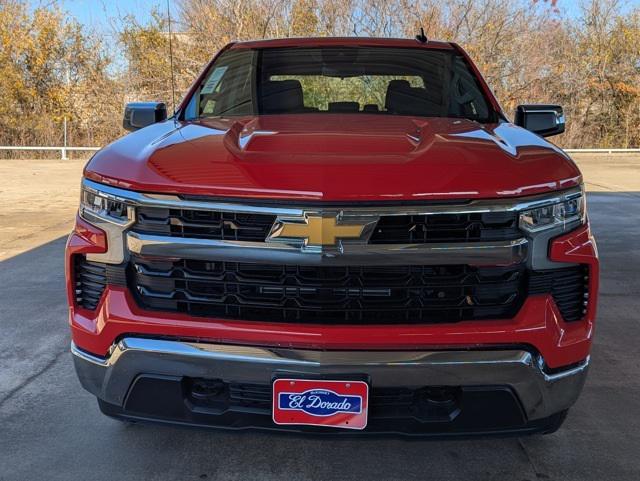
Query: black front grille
[
  {"x": 569, "y": 287},
  {"x": 333, "y": 295},
  {"x": 360, "y": 295},
  {"x": 90, "y": 281},
  {"x": 419, "y": 229},
  {"x": 203, "y": 224}
]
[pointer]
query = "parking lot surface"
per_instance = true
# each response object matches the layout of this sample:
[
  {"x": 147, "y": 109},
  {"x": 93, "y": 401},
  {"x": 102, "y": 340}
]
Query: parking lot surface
[{"x": 50, "y": 429}]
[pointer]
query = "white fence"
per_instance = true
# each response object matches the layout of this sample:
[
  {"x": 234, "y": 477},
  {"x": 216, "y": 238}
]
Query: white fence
[
  {"x": 63, "y": 150},
  {"x": 602, "y": 151}
]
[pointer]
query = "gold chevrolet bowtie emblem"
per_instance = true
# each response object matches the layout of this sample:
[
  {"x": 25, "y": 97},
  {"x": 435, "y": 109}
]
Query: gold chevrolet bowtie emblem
[{"x": 316, "y": 230}]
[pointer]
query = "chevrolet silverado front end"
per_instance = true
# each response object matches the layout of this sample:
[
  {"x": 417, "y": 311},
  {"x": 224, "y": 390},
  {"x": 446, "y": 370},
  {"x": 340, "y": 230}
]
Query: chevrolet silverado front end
[{"x": 335, "y": 233}]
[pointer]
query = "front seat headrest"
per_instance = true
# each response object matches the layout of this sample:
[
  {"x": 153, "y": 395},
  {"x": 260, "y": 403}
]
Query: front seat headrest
[
  {"x": 395, "y": 86},
  {"x": 282, "y": 96}
]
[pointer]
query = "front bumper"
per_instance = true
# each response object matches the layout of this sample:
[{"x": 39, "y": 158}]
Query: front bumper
[
  {"x": 140, "y": 372},
  {"x": 527, "y": 369}
]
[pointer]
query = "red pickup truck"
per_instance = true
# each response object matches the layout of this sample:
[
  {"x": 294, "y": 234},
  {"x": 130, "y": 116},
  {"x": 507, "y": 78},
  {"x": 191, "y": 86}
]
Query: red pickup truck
[{"x": 335, "y": 235}]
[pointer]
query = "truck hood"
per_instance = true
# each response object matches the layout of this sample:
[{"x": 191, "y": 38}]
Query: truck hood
[{"x": 326, "y": 157}]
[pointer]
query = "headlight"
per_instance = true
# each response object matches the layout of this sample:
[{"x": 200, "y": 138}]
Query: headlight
[
  {"x": 569, "y": 210},
  {"x": 94, "y": 203}
]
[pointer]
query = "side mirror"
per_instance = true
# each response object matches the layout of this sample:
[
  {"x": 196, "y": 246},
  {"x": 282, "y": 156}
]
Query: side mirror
[
  {"x": 544, "y": 120},
  {"x": 140, "y": 114}
]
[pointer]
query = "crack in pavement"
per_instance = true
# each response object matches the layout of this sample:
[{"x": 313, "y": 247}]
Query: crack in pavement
[
  {"x": 33, "y": 377},
  {"x": 536, "y": 471}
]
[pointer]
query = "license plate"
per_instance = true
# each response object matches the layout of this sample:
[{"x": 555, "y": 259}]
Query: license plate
[{"x": 338, "y": 404}]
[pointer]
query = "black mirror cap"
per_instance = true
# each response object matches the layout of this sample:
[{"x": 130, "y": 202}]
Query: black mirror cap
[
  {"x": 544, "y": 120},
  {"x": 140, "y": 114}
]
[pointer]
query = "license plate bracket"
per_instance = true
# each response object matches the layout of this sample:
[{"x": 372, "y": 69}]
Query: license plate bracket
[{"x": 320, "y": 402}]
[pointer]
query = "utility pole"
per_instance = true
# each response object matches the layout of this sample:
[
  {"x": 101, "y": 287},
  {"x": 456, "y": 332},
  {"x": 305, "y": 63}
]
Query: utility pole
[{"x": 64, "y": 147}]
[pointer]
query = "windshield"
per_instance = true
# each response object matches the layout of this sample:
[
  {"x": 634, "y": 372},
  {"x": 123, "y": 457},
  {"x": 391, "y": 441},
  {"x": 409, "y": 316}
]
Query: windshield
[{"x": 354, "y": 80}]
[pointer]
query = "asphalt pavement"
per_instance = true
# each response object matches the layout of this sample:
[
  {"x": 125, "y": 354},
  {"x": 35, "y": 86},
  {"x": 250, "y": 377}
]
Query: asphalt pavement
[{"x": 50, "y": 429}]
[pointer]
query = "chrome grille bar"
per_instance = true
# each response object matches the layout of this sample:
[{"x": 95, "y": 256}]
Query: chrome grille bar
[{"x": 501, "y": 253}]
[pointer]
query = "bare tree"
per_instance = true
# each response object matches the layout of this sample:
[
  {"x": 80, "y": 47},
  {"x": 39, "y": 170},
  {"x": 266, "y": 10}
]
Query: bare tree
[{"x": 53, "y": 68}]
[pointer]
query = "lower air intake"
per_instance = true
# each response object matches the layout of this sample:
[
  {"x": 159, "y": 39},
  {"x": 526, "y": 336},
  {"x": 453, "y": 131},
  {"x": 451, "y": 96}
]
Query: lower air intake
[
  {"x": 569, "y": 287},
  {"x": 90, "y": 281}
]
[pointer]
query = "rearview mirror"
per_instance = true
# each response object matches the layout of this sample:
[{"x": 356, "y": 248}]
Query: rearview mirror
[
  {"x": 544, "y": 120},
  {"x": 140, "y": 114}
]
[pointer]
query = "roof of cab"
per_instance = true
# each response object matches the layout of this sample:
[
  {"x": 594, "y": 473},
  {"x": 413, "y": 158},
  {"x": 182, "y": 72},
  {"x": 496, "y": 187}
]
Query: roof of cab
[{"x": 342, "y": 41}]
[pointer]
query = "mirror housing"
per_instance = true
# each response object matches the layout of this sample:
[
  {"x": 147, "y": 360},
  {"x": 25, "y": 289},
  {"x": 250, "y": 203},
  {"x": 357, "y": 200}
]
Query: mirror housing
[
  {"x": 140, "y": 114},
  {"x": 544, "y": 120}
]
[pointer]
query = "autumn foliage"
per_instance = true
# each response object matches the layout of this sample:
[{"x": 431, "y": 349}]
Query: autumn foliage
[{"x": 52, "y": 67}]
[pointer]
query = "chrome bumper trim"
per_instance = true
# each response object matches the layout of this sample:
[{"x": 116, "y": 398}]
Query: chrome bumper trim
[
  {"x": 476, "y": 253},
  {"x": 541, "y": 394}
]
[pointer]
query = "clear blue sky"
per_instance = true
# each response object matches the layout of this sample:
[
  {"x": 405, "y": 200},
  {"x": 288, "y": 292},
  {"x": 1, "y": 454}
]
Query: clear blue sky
[
  {"x": 100, "y": 13},
  {"x": 97, "y": 13}
]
